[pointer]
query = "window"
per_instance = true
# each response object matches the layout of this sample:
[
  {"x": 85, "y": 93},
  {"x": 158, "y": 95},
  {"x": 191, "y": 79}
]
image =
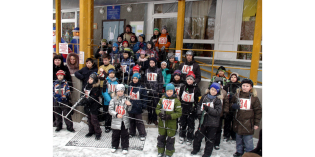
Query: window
[
  {"x": 165, "y": 8},
  {"x": 171, "y": 24},
  {"x": 248, "y": 20},
  {"x": 68, "y": 15},
  {"x": 246, "y": 56},
  {"x": 200, "y": 46},
  {"x": 67, "y": 28}
]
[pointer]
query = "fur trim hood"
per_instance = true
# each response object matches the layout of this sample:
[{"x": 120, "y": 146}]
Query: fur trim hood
[
  {"x": 220, "y": 96},
  {"x": 76, "y": 65},
  {"x": 253, "y": 91}
]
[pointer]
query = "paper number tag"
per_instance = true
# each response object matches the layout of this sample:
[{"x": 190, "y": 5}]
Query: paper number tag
[
  {"x": 124, "y": 68},
  {"x": 188, "y": 97},
  {"x": 168, "y": 104},
  {"x": 134, "y": 96},
  {"x": 87, "y": 93},
  {"x": 120, "y": 110},
  {"x": 152, "y": 55},
  {"x": 210, "y": 104},
  {"x": 162, "y": 40},
  {"x": 177, "y": 90},
  {"x": 151, "y": 76},
  {"x": 245, "y": 104},
  {"x": 111, "y": 88},
  {"x": 186, "y": 69}
]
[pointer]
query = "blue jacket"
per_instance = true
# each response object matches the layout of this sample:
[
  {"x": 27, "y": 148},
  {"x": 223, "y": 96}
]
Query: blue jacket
[
  {"x": 76, "y": 47},
  {"x": 137, "y": 46},
  {"x": 166, "y": 76},
  {"x": 64, "y": 89},
  {"x": 137, "y": 105},
  {"x": 106, "y": 95}
]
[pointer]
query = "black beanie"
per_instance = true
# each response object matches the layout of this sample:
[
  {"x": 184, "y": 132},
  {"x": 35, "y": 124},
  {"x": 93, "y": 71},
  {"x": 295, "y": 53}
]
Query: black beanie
[{"x": 247, "y": 80}]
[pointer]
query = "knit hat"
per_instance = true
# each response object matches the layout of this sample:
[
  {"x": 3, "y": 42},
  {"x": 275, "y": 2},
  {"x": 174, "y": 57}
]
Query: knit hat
[
  {"x": 104, "y": 40},
  {"x": 136, "y": 68},
  {"x": 221, "y": 68},
  {"x": 133, "y": 36},
  {"x": 151, "y": 43},
  {"x": 219, "y": 80},
  {"x": 137, "y": 75},
  {"x": 216, "y": 86},
  {"x": 152, "y": 59},
  {"x": 94, "y": 77},
  {"x": 177, "y": 72},
  {"x": 190, "y": 75},
  {"x": 170, "y": 55},
  {"x": 189, "y": 52},
  {"x": 170, "y": 86},
  {"x": 247, "y": 80},
  {"x": 126, "y": 50},
  {"x": 163, "y": 62},
  {"x": 111, "y": 70},
  {"x": 77, "y": 29},
  {"x": 143, "y": 36},
  {"x": 156, "y": 29},
  {"x": 120, "y": 87},
  {"x": 164, "y": 27},
  {"x": 142, "y": 52},
  {"x": 115, "y": 45},
  {"x": 236, "y": 74},
  {"x": 125, "y": 41},
  {"x": 60, "y": 72}
]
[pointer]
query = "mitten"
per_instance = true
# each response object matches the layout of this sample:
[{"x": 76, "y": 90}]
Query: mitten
[
  {"x": 157, "y": 49},
  {"x": 168, "y": 117},
  {"x": 236, "y": 106},
  {"x": 162, "y": 116},
  {"x": 162, "y": 48}
]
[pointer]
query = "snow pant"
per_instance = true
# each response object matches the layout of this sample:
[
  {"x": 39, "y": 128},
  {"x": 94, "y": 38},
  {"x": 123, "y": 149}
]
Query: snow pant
[
  {"x": 136, "y": 124},
  {"x": 228, "y": 123},
  {"x": 94, "y": 126},
  {"x": 62, "y": 110},
  {"x": 108, "y": 117},
  {"x": 218, "y": 133},
  {"x": 250, "y": 155},
  {"x": 151, "y": 108},
  {"x": 184, "y": 121},
  {"x": 247, "y": 140},
  {"x": 122, "y": 135},
  {"x": 166, "y": 139},
  {"x": 209, "y": 133}
]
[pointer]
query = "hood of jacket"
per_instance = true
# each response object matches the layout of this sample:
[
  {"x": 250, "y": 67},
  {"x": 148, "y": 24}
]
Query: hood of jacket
[
  {"x": 253, "y": 92},
  {"x": 76, "y": 64}
]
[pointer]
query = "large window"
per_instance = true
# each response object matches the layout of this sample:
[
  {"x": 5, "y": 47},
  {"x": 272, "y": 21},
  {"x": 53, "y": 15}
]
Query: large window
[
  {"x": 165, "y": 8},
  {"x": 68, "y": 22},
  {"x": 171, "y": 24}
]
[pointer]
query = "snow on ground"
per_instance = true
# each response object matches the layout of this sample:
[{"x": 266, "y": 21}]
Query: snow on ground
[{"x": 60, "y": 139}]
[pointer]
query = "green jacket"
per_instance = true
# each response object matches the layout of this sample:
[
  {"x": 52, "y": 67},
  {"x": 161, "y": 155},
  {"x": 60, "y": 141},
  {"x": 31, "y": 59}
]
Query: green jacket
[
  {"x": 166, "y": 76},
  {"x": 176, "y": 113}
]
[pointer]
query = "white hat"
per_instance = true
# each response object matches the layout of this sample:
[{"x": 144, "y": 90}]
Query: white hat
[{"x": 120, "y": 87}]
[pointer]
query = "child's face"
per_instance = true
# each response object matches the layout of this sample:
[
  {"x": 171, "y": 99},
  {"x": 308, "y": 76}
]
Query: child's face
[
  {"x": 60, "y": 77},
  {"x": 140, "y": 39},
  {"x": 177, "y": 77},
  {"x": 72, "y": 60},
  {"x": 125, "y": 55},
  {"x": 103, "y": 43},
  {"x": 221, "y": 73},
  {"x": 190, "y": 81},
  {"x": 135, "y": 80},
  {"x": 152, "y": 63},
  {"x": 90, "y": 80},
  {"x": 213, "y": 91},
  {"x": 111, "y": 75},
  {"x": 149, "y": 46},
  {"x": 246, "y": 87},
  {"x": 120, "y": 93},
  {"x": 156, "y": 32},
  {"x": 57, "y": 62},
  {"x": 114, "y": 48},
  {"x": 169, "y": 93},
  {"x": 89, "y": 64},
  {"x": 233, "y": 78},
  {"x": 163, "y": 31},
  {"x": 171, "y": 60},
  {"x": 163, "y": 66},
  {"x": 106, "y": 61},
  {"x": 125, "y": 45},
  {"x": 142, "y": 56},
  {"x": 133, "y": 39},
  {"x": 119, "y": 39}
]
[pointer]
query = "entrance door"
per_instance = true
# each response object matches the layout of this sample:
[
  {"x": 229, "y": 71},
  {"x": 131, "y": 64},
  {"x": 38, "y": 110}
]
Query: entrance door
[{"x": 112, "y": 28}]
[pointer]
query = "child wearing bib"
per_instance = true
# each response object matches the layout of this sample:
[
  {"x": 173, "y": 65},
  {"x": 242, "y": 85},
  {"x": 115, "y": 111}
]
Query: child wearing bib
[
  {"x": 151, "y": 52},
  {"x": 168, "y": 109},
  {"x": 126, "y": 66},
  {"x": 143, "y": 63},
  {"x": 247, "y": 116},
  {"x": 220, "y": 73},
  {"x": 208, "y": 110},
  {"x": 119, "y": 107},
  {"x": 189, "y": 96}
]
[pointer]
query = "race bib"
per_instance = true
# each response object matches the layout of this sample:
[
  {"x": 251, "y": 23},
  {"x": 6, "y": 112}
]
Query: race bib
[
  {"x": 61, "y": 91},
  {"x": 210, "y": 104},
  {"x": 177, "y": 90},
  {"x": 87, "y": 93},
  {"x": 152, "y": 55},
  {"x": 244, "y": 104},
  {"x": 186, "y": 69},
  {"x": 120, "y": 110},
  {"x": 134, "y": 96},
  {"x": 168, "y": 104},
  {"x": 162, "y": 40},
  {"x": 124, "y": 68},
  {"x": 188, "y": 97},
  {"x": 111, "y": 88},
  {"x": 151, "y": 76}
]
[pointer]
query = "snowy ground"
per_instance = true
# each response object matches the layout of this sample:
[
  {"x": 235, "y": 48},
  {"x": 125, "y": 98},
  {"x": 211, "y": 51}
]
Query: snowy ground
[{"x": 61, "y": 138}]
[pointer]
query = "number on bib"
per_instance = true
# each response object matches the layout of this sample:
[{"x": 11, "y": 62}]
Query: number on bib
[
  {"x": 120, "y": 110},
  {"x": 111, "y": 88},
  {"x": 186, "y": 69},
  {"x": 188, "y": 97},
  {"x": 245, "y": 104},
  {"x": 162, "y": 40},
  {"x": 124, "y": 68},
  {"x": 152, "y": 55},
  {"x": 151, "y": 76},
  {"x": 87, "y": 93},
  {"x": 177, "y": 90},
  {"x": 210, "y": 104},
  {"x": 168, "y": 104},
  {"x": 134, "y": 96}
]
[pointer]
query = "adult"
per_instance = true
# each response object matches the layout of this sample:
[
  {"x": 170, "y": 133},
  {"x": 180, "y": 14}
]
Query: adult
[
  {"x": 73, "y": 62},
  {"x": 127, "y": 34},
  {"x": 58, "y": 65},
  {"x": 61, "y": 41},
  {"x": 172, "y": 64},
  {"x": 190, "y": 65}
]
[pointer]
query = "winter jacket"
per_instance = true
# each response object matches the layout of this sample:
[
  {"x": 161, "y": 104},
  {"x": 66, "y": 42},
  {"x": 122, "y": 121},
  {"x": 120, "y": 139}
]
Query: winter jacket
[
  {"x": 73, "y": 67},
  {"x": 166, "y": 76},
  {"x": 190, "y": 66},
  {"x": 212, "y": 116},
  {"x": 230, "y": 88},
  {"x": 250, "y": 117},
  {"x": 132, "y": 44},
  {"x": 93, "y": 91},
  {"x": 224, "y": 101},
  {"x": 154, "y": 80},
  {"x": 65, "y": 69},
  {"x": 144, "y": 63},
  {"x": 178, "y": 85},
  {"x": 135, "y": 94},
  {"x": 105, "y": 68},
  {"x": 152, "y": 53},
  {"x": 109, "y": 89},
  {"x": 224, "y": 78},
  {"x": 126, "y": 67},
  {"x": 116, "y": 57},
  {"x": 172, "y": 66},
  {"x": 97, "y": 55},
  {"x": 85, "y": 73},
  {"x": 171, "y": 106},
  {"x": 62, "y": 88},
  {"x": 163, "y": 40},
  {"x": 154, "y": 38},
  {"x": 117, "y": 105},
  {"x": 139, "y": 45},
  {"x": 189, "y": 102}
]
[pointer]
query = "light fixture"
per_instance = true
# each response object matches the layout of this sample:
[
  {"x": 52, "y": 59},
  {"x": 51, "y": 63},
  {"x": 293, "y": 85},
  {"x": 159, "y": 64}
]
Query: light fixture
[
  {"x": 129, "y": 8},
  {"x": 102, "y": 11}
]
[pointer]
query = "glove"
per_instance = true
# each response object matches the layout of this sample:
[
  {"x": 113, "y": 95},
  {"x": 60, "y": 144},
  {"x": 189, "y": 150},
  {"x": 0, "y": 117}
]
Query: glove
[
  {"x": 168, "y": 117},
  {"x": 236, "y": 106},
  {"x": 58, "y": 95},
  {"x": 162, "y": 48},
  {"x": 157, "y": 49},
  {"x": 206, "y": 108},
  {"x": 162, "y": 116}
]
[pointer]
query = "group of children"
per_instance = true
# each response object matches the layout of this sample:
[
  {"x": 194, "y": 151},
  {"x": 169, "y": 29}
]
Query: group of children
[{"x": 128, "y": 83}]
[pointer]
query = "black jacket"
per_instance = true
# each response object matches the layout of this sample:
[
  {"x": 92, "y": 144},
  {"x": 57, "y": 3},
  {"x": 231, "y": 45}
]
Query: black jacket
[
  {"x": 91, "y": 105},
  {"x": 195, "y": 69},
  {"x": 212, "y": 116},
  {"x": 64, "y": 68},
  {"x": 154, "y": 38},
  {"x": 189, "y": 107},
  {"x": 85, "y": 73},
  {"x": 156, "y": 86},
  {"x": 178, "y": 85},
  {"x": 138, "y": 105},
  {"x": 144, "y": 66}
]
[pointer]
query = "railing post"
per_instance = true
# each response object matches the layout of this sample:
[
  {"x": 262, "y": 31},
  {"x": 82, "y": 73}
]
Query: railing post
[
  {"x": 180, "y": 27},
  {"x": 83, "y": 30},
  {"x": 256, "y": 44},
  {"x": 58, "y": 24}
]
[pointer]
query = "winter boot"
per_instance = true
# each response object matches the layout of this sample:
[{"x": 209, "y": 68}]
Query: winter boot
[
  {"x": 216, "y": 147},
  {"x": 71, "y": 130},
  {"x": 125, "y": 151},
  {"x": 194, "y": 152},
  {"x": 156, "y": 123},
  {"x": 107, "y": 130},
  {"x": 58, "y": 129},
  {"x": 113, "y": 150},
  {"x": 204, "y": 155},
  {"x": 237, "y": 154},
  {"x": 89, "y": 134},
  {"x": 168, "y": 156},
  {"x": 181, "y": 140},
  {"x": 188, "y": 142},
  {"x": 97, "y": 137},
  {"x": 160, "y": 155},
  {"x": 142, "y": 138}
]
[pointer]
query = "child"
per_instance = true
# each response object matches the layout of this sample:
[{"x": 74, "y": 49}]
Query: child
[
  {"x": 133, "y": 41},
  {"x": 85, "y": 72},
  {"x": 247, "y": 116},
  {"x": 208, "y": 110},
  {"x": 166, "y": 74},
  {"x": 151, "y": 52},
  {"x": 103, "y": 70},
  {"x": 119, "y": 41},
  {"x": 116, "y": 56},
  {"x": 91, "y": 107},
  {"x": 135, "y": 69},
  {"x": 220, "y": 73},
  {"x": 164, "y": 41},
  {"x": 156, "y": 34},
  {"x": 140, "y": 45},
  {"x": 126, "y": 65},
  {"x": 189, "y": 95},
  {"x": 168, "y": 109},
  {"x": 143, "y": 63},
  {"x": 154, "y": 83},
  {"x": 62, "y": 94},
  {"x": 172, "y": 65},
  {"x": 119, "y": 108},
  {"x": 109, "y": 93},
  {"x": 102, "y": 49},
  {"x": 138, "y": 96},
  {"x": 230, "y": 87}
]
